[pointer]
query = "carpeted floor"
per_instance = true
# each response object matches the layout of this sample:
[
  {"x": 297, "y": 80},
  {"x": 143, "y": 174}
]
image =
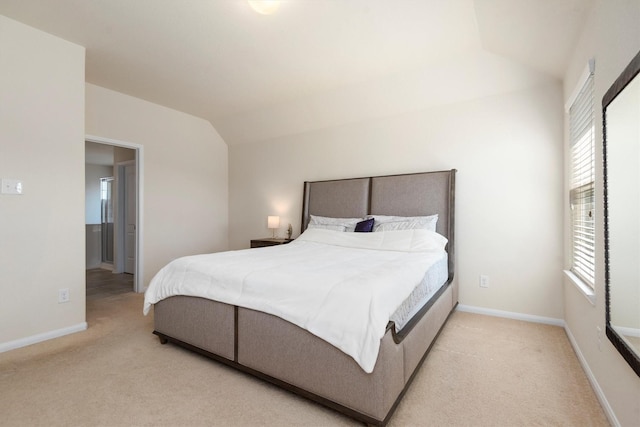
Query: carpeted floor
[{"x": 483, "y": 371}]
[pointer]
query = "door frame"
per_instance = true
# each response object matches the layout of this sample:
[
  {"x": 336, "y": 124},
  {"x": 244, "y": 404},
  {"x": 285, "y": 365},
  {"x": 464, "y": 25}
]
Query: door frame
[{"x": 138, "y": 282}]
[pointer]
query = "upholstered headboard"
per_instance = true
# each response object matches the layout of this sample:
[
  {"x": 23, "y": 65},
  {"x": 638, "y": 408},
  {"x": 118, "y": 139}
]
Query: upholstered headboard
[{"x": 414, "y": 194}]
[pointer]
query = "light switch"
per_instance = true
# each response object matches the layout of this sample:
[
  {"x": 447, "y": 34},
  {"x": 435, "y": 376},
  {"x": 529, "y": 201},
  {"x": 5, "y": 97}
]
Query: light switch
[{"x": 12, "y": 186}]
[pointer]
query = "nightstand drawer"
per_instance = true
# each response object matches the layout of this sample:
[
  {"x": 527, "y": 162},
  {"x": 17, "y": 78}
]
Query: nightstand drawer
[{"x": 260, "y": 243}]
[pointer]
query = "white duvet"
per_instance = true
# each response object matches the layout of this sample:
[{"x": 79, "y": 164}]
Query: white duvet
[{"x": 341, "y": 287}]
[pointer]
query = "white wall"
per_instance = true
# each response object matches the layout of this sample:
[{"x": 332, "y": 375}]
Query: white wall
[
  {"x": 612, "y": 36},
  {"x": 42, "y": 143},
  {"x": 185, "y": 174},
  {"x": 507, "y": 148},
  {"x": 42, "y": 137}
]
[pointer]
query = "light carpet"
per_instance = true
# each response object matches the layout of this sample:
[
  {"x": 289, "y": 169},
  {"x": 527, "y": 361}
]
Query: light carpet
[{"x": 482, "y": 371}]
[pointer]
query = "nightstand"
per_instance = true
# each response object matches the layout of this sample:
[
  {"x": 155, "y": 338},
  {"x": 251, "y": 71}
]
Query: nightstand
[{"x": 269, "y": 241}]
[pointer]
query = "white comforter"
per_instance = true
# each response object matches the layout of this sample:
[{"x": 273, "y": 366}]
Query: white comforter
[{"x": 342, "y": 287}]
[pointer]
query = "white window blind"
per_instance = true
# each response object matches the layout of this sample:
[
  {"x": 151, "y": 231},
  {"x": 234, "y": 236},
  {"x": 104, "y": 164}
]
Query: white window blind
[{"x": 582, "y": 193}]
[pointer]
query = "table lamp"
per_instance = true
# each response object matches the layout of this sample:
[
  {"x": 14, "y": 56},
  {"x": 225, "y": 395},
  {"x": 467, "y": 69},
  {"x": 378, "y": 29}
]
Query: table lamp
[{"x": 273, "y": 222}]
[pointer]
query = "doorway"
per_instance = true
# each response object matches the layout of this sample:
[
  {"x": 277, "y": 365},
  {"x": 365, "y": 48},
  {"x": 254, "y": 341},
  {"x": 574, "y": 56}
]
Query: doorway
[{"x": 125, "y": 188}]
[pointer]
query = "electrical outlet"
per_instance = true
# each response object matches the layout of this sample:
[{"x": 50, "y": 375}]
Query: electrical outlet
[
  {"x": 599, "y": 334},
  {"x": 484, "y": 281},
  {"x": 11, "y": 186},
  {"x": 63, "y": 295}
]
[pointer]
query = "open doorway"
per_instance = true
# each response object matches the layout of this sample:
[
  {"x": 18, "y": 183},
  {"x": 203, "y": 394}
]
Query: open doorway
[{"x": 112, "y": 217}]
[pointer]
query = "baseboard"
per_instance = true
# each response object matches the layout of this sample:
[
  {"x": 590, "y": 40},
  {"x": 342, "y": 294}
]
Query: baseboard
[
  {"x": 630, "y": 332},
  {"x": 592, "y": 379},
  {"x": 511, "y": 315},
  {"x": 23, "y": 342},
  {"x": 106, "y": 266}
]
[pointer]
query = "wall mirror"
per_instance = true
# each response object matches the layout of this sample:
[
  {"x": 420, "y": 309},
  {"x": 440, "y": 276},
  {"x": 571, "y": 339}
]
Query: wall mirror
[{"x": 621, "y": 129}]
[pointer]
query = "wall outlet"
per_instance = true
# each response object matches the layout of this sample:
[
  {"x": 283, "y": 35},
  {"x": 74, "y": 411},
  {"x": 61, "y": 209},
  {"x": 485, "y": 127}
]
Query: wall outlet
[
  {"x": 63, "y": 295},
  {"x": 484, "y": 281},
  {"x": 599, "y": 334},
  {"x": 11, "y": 186}
]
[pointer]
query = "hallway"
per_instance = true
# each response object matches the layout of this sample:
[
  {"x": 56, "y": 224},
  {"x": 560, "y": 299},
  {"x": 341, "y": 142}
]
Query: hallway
[{"x": 103, "y": 283}]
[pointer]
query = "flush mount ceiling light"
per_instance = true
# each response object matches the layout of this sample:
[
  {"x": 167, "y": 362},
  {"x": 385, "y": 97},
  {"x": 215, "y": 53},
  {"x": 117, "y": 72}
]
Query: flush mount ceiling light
[{"x": 264, "y": 7}]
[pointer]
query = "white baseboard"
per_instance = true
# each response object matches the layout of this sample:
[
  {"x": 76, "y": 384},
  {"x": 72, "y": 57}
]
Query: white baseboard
[
  {"x": 592, "y": 379},
  {"x": 511, "y": 315},
  {"x": 106, "y": 266},
  {"x": 629, "y": 332},
  {"x": 23, "y": 342}
]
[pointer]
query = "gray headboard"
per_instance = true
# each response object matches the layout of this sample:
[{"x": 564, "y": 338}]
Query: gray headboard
[{"x": 424, "y": 193}]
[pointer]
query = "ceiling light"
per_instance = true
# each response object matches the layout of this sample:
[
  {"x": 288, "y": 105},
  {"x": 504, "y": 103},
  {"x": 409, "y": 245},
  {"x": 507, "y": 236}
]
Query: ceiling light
[{"x": 265, "y": 7}]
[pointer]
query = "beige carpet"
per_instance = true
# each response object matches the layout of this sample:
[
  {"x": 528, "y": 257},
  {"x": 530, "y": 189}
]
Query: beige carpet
[{"x": 483, "y": 371}]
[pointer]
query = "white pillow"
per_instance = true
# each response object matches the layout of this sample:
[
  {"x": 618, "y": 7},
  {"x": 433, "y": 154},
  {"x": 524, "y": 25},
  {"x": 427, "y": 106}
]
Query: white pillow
[
  {"x": 329, "y": 223},
  {"x": 334, "y": 227},
  {"x": 392, "y": 223}
]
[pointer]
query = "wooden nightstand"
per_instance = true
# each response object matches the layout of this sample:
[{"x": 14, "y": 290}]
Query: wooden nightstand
[{"x": 269, "y": 241}]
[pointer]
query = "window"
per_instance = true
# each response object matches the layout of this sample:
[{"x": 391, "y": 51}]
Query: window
[{"x": 582, "y": 193}]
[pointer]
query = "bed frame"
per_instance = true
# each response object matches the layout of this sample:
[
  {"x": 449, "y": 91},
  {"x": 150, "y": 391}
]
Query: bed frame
[{"x": 290, "y": 357}]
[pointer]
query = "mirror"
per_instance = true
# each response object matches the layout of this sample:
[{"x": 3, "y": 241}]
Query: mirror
[{"x": 621, "y": 129}]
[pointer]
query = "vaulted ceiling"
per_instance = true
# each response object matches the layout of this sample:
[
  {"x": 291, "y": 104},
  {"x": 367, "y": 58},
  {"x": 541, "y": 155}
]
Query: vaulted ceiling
[{"x": 219, "y": 60}]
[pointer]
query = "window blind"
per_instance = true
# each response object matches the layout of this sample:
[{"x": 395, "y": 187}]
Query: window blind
[{"x": 582, "y": 193}]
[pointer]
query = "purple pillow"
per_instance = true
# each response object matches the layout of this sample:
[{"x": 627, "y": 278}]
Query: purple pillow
[{"x": 365, "y": 226}]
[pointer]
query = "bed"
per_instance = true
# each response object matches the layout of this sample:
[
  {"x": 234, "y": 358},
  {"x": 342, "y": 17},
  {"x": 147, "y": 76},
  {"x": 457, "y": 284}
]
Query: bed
[{"x": 275, "y": 348}]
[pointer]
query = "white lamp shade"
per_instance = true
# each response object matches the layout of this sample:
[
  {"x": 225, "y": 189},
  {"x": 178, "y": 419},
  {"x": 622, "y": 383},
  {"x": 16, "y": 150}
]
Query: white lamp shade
[
  {"x": 264, "y": 7},
  {"x": 273, "y": 221}
]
